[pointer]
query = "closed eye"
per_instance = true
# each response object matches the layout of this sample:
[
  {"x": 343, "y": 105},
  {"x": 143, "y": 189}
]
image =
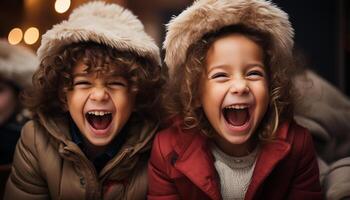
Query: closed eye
[
  {"x": 255, "y": 73},
  {"x": 81, "y": 83},
  {"x": 117, "y": 84},
  {"x": 219, "y": 75}
]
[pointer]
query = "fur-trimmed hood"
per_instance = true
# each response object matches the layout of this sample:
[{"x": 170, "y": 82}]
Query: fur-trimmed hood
[
  {"x": 206, "y": 16},
  {"x": 108, "y": 24},
  {"x": 17, "y": 63}
]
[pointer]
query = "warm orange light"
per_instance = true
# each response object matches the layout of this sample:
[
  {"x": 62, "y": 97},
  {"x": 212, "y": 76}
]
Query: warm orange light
[
  {"x": 31, "y": 35},
  {"x": 61, "y": 6},
  {"x": 15, "y": 36}
]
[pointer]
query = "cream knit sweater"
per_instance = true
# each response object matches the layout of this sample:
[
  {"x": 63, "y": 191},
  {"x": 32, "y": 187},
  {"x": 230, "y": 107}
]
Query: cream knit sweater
[{"x": 235, "y": 172}]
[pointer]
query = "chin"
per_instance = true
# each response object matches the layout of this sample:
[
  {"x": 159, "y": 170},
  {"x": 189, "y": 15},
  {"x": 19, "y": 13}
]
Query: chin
[
  {"x": 99, "y": 142},
  {"x": 237, "y": 140}
]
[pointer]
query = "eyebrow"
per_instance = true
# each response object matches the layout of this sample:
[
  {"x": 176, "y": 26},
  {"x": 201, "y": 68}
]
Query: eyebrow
[
  {"x": 107, "y": 77},
  {"x": 211, "y": 68},
  {"x": 258, "y": 64},
  {"x": 79, "y": 75}
]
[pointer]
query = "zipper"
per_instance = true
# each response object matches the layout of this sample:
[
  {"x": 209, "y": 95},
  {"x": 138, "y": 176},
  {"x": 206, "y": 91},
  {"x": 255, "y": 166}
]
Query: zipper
[
  {"x": 107, "y": 171},
  {"x": 92, "y": 186}
]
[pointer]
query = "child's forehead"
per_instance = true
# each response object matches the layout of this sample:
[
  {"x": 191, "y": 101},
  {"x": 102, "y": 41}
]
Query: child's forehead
[
  {"x": 79, "y": 68},
  {"x": 82, "y": 69}
]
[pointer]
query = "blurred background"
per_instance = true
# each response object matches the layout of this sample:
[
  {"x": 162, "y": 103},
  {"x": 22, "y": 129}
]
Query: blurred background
[
  {"x": 322, "y": 27},
  {"x": 322, "y": 30}
]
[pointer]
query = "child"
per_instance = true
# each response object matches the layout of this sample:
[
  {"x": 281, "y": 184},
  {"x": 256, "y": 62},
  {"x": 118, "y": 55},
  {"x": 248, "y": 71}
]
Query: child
[
  {"x": 233, "y": 136},
  {"x": 95, "y": 95},
  {"x": 17, "y": 65}
]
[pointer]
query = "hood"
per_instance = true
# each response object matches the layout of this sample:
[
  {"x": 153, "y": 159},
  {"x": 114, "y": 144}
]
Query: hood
[
  {"x": 107, "y": 24},
  {"x": 206, "y": 16},
  {"x": 17, "y": 64}
]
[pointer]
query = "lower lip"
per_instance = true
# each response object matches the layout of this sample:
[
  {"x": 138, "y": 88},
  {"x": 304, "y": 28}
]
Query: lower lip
[{"x": 100, "y": 133}]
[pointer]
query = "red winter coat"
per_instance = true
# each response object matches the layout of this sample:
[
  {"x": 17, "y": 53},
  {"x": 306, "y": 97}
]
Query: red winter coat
[{"x": 182, "y": 167}]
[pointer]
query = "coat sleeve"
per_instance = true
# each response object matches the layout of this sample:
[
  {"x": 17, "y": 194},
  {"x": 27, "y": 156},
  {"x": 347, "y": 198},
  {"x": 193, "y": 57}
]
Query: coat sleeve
[
  {"x": 25, "y": 180},
  {"x": 160, "y": 187},
  {"x": 305, "y": 183}
]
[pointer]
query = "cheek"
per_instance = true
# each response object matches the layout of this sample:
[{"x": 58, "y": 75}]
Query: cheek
[
  {"x": 124, "y": 101},
  {"x": 212, "y": 94},
  {"x": 126, "y": 105},
  {"x": 4, "y": 99},
  {"x": 262, "y": 95},
  {"x": 8, "y": 100},
  {"x": 211, "y": 99},
  {"x": 75, "y": 100}
]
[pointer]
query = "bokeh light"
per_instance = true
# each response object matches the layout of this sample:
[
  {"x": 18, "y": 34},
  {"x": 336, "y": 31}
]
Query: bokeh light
[
  {"x": 15, "y": 36},
  {"x": 31, "y": 35},
  {"x": 61, "y": 6}
]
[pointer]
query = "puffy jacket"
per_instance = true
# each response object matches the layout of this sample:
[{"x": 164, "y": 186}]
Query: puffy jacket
[
  {"x": 182, "y": 167},
  {"x": 49, "y": 165}
]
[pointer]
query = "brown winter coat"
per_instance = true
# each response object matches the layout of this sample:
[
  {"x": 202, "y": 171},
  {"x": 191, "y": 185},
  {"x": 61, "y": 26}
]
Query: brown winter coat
[{"x": 49, "y": 165}]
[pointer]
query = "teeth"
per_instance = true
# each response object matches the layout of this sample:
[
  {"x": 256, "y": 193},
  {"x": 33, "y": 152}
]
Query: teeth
[
  {"x": 236, "y": 107},
  {"x": 98, "y": 113}
]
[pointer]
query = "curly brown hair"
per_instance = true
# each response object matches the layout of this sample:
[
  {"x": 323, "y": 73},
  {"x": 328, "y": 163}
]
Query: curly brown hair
[
  {"x": 54, "y": 77},
  {"x": 183, "y": 88}
]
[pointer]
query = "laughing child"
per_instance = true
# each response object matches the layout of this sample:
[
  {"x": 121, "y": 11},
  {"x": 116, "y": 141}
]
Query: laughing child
[
  {"x": 230, "y": 95},
  {"x": 95, "y": 95},
  {"x": 17, "y": 65}
]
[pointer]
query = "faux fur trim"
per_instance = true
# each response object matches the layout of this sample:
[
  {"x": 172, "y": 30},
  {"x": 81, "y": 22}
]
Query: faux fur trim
[
  {"x": 17, "y": 63},
  {"x": 107, "y": 24},
  {"x": 206, "y": 16}
]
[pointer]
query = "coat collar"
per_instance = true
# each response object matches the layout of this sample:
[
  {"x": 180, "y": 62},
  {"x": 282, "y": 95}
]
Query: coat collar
[
  {"x": 138, "y": 140},
  {"x": 196, "y": 162},
  {"x": 271, "y": 154},
  {"x": 140, "y": 131}
]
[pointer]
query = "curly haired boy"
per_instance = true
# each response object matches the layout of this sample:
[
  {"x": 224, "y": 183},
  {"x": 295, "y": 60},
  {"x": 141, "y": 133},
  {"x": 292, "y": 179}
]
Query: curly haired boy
[{"x": 95, "y": 94}]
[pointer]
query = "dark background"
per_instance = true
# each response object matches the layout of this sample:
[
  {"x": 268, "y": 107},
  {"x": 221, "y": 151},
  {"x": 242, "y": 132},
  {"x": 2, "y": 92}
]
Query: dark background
[
  {"x": 322, "y": 27},
  {"x": 322, "y": 35}
]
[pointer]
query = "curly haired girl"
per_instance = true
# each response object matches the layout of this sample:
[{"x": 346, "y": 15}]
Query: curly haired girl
[{"x": 231, "y": 101}]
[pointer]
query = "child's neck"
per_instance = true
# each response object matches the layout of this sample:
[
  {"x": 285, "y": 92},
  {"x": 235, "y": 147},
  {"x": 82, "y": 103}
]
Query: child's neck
[
  {"x": 92, "y": 151},
  {"x": 236, "y": 150}
]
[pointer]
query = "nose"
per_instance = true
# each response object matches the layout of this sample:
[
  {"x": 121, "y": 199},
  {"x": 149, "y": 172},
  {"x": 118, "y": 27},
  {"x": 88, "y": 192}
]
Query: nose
[
  {"x": 239, "y": 86},
  {"x": 99, "y": 94}
]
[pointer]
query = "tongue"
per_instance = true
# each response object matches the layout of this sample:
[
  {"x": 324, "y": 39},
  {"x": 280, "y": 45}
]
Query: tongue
[
  {"x": 100, "y": 122},
  {"x": 237, "y": 117}
]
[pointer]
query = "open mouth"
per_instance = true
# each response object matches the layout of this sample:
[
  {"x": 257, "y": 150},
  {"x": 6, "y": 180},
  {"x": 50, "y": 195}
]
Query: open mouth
[
  {"x": 236, "y": 115},
  {"x": 99, "y": 120}
]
